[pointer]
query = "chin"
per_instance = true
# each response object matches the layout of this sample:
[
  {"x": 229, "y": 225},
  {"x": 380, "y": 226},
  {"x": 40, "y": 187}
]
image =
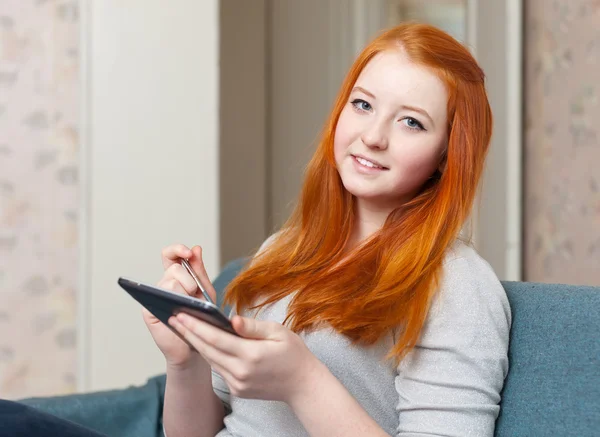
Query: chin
[
  {"x": 367, "y": 195},
  {"x": 377, "y": 198},
  {"x": 358, "y": 187}
]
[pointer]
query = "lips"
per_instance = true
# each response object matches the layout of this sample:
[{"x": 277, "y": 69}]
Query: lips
[{"x": 369, "y": 163}]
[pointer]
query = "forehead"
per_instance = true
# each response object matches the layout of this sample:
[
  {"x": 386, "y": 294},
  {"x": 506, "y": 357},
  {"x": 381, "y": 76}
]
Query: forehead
[{"x": 393, "y": 78}]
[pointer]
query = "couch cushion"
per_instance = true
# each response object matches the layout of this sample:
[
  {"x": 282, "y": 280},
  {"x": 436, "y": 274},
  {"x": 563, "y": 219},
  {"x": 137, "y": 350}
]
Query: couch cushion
[{"x": 553, "y": 385}]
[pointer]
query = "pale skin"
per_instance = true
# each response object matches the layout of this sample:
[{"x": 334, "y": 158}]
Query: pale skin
[{"x": 395, "y": 119}]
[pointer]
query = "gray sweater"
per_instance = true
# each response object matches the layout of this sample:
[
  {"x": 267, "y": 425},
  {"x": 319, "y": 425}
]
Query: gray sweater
[{"x": 449, "y": 385}]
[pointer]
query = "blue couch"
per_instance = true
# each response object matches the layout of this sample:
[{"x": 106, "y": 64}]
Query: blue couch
[{"x": 552, "y": 389}]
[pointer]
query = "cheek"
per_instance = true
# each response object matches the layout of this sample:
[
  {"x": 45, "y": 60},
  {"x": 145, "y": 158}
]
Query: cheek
[
  {"x": 420, "y": 160},
  {"x": 343, "y": 137}
]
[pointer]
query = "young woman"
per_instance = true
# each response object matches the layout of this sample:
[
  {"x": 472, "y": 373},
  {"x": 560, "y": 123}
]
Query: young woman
[{"x": 365, "y": 315}]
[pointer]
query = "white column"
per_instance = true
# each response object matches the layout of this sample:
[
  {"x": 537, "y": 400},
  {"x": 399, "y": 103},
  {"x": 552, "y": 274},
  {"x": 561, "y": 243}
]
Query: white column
[
  {"x": 150, "y": 167},
  {"x": 494, "y": 30}
]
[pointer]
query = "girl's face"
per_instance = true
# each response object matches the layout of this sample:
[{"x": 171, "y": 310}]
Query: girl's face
[{"x": 392, "y": 133}]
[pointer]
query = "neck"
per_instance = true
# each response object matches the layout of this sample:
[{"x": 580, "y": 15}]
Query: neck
[{"x": 370, "y": 218}]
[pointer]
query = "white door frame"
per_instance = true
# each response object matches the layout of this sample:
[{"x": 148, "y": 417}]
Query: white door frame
[
  {"x": 149, "y": 169},
  {"x": 494, "y": 31}
]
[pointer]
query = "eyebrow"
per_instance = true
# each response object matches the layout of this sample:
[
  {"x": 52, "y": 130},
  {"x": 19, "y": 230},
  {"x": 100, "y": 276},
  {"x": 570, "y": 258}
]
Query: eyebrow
[{"x": 408, "y": 107}]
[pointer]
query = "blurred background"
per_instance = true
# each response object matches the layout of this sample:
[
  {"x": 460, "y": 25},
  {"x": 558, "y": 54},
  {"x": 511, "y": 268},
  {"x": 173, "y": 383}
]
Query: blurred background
[{"x": 126, "y": 125}]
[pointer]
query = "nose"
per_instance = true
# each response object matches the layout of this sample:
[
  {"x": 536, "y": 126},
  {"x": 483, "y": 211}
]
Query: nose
[{"x": 375, "y": 136}]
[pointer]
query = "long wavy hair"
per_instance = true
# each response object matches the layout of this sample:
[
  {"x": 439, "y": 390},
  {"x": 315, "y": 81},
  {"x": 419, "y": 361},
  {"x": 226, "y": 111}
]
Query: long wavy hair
[{"x": 387, "y": 283}]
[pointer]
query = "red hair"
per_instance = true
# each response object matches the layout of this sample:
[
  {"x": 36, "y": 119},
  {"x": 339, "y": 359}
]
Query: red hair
[{"x": 388, "y": 282}]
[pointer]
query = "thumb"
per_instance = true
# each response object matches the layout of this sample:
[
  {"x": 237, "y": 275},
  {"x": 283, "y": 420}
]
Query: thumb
[
  {"x": 254, "y": 329},
  {"x": 196, "y": 260}
]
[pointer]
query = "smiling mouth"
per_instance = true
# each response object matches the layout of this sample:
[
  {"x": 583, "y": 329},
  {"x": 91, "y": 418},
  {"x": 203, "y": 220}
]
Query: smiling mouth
[{"x": 367, "y": 163}]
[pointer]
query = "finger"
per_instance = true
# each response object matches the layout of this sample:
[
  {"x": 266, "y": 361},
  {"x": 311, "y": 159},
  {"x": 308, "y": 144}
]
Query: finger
[
  {"x": 166, "y": 284},
  {"x": 194, "y": 341},
  {"x": 255, "y": 329},
  {"x": 173, "y": 253},
  {"x": 223, "y": 341},
  {"x": 181, "y": 275},
  {"x": 211, "y": 353},
  {"x": 198, "y": 265},
  {"x": 171, "y": 284}
]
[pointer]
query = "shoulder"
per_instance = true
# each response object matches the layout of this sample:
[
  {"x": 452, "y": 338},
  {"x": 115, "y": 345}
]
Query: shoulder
[
  {"x": 470, "y": 314},
  {"x": 463, "y": 261},
  {"x": 470, "y": 308},
  {"x": 469, "y": 283}
]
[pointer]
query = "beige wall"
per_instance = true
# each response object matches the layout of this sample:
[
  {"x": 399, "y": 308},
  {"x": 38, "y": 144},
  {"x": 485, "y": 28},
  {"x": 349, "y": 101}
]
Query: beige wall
[
  {"x": 243, "y": 126},
  {"x": 562, "y": 141},
  {"x": 299, "y": 96}
]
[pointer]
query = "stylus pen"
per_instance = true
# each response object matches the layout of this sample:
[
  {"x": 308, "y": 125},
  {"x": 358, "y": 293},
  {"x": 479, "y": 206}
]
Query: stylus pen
[{"x": 188, "y": 267}]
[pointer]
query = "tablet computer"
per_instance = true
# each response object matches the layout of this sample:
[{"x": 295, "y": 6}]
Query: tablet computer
[{"x": 164, "y": 304}]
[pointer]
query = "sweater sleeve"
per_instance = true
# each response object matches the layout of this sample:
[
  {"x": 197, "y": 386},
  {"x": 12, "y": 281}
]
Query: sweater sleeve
[{"x": 450, "y": 383}]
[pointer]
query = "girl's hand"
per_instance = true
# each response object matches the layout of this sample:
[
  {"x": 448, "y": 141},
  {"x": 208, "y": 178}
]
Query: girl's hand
[
  {"x": 176, "y": 278},
  {"x": 270, "y": 362}
]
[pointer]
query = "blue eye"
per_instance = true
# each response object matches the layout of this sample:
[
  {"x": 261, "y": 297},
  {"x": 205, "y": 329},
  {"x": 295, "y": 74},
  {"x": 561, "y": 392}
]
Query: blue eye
[
  {"x": 412, "y": 123},
  {"x": 361, "y": 105}
]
